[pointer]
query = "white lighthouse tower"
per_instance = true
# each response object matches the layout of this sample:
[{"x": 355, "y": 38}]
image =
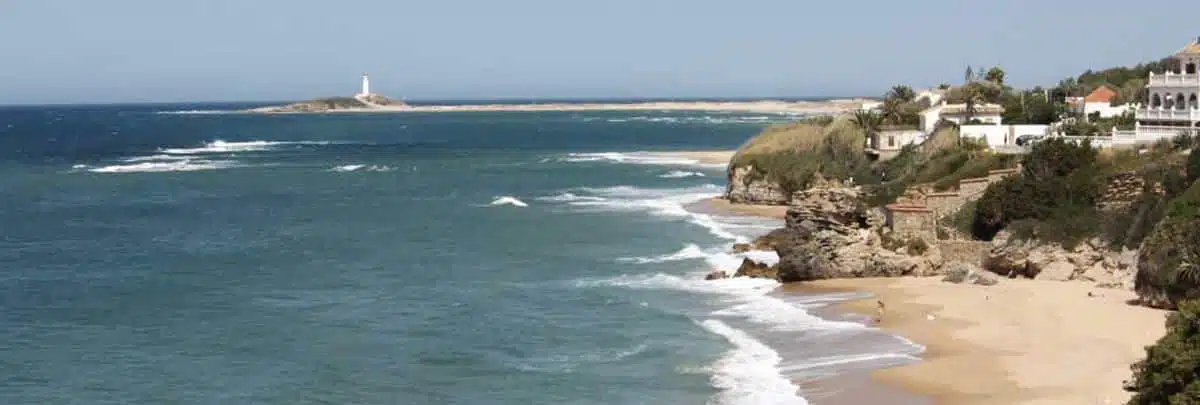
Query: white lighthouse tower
[{"x": 366, "y": 86}]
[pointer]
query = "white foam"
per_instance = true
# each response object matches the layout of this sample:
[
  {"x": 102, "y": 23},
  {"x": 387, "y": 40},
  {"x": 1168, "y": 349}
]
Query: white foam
[
  {"x": 154, "y": 158},
  {"x": 659, "y": 202},
  {"x": 679, "y": 174},
  {"x": 688, "y": 252},
  {"x": 749, "y": 372},
  {"x": 639, "y": 158},
  {"x": 831, "y": 361},
  {"x": 173, "y": 166},
  {"x": 507, "y": 200},
  {"x": 199, "y": 112},
  {"x": 219, "y": 146},
  {"x": 360, "y": 167}
]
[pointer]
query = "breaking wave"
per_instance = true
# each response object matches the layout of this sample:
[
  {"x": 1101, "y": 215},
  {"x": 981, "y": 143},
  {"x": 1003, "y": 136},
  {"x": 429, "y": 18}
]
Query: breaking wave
[
  {"x": 363, "y": 168},
  {"x": 679, "y": 174},
  {"x": 639, "y": 158},
  {"x": 507, "y": 200}
]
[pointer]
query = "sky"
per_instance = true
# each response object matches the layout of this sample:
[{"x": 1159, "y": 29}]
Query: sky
[{"x": 93, "y": 51}]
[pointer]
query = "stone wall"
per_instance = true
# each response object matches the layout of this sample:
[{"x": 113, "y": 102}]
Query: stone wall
[
  {"x": 1122, "y": 190},
  {"x": 972, "y": 189},
  {"x": 944, "y": 204},
  {"x": 965, "y": 251},
  {"x": 912, "y": 222},
  {"x": 747, "y": 187}
]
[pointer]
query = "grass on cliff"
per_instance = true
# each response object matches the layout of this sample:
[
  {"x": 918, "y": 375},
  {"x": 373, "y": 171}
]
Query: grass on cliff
[
  {"x": 941, "y": 162},
  {"x": 790, "y": 154}
]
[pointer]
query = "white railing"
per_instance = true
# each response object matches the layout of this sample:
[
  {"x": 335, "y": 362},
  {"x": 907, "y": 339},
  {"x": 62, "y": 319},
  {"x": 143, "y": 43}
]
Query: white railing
[
  {"x": 1152, "y": 133},
  {"x": 1174, "y": 79},
  {"x": 1190, "y": 114}
]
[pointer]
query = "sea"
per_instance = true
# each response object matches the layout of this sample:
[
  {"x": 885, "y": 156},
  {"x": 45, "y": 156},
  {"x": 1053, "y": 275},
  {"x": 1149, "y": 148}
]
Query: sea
[{"x": 188, "y": 254}]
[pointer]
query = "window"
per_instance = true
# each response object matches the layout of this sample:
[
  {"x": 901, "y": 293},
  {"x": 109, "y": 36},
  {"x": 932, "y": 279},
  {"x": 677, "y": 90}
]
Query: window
[{"x": 891, "y": 141}]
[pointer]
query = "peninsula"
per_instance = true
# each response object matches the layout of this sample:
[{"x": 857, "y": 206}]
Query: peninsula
[{"x": 367, "y": 102}]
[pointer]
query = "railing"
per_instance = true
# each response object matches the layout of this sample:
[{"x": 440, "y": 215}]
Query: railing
[
  {"x": 1190, "y": 114},
  {"x": 1152, "y": 133},
  {"x": 1174, "y": 79}
]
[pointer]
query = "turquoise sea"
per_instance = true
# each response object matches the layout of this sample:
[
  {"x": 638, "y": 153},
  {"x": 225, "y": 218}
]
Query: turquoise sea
[{"x": 184, "y": 255}]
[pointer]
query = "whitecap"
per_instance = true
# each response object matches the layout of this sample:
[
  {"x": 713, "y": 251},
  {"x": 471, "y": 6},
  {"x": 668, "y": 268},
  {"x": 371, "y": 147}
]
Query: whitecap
[
  {"x": 220, "y": 146},
  {"x": 507, "y": 200},
  {"x": 173, "y": 166},
  {"x": 679, "y": 174},
  {"x": 362, "y": 167},
  {"x": 688, "y": 252},
  {"x": 639, "y": 158}
]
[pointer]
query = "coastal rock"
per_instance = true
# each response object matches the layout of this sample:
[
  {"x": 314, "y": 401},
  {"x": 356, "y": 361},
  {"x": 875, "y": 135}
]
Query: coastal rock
[
  {"x": 959, "y": 273},
  {"x": 1090, "y": 261},
  {"x": 753, "y": 269},
  {"x": 749, "y": 186},
  {"x": 1057, "y": 271},
  {"x": 716, "y": 275},
  {"x": 742, "y": 247},
  {"x": 830, "y": 233}
]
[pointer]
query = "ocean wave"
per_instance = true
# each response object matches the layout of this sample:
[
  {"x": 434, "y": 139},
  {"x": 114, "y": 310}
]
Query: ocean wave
[
  {"x": 155, "y": 158},
  {"x": 679, "y": 174},
  {"x": 508, "y": 200},
  {"x": 172, "y": 166},
  {"x": 361, "y": 167},
  {"x": 690, "y": 251},
  {"x": 220, "y": 146},
  {"x": 639, "y": 158},
  {"x": 749, "y": 372},
  {"x": 660, "y": 202}
]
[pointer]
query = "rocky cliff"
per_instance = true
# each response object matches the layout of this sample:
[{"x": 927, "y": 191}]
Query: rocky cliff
[
  {"x": 830, "y": 233},
  {"x": 748, "y": 186}
]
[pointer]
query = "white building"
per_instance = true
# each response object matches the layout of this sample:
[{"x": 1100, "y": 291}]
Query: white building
[
  {"x": 934, "y": 96},
  {"x": 1173, "y": 107},
  {"x": 1099, "y": 102},
  {"x": 1003, "y": 136},
  {"x": 888, "y": 142},
  {"x": 987, "y": 114}
]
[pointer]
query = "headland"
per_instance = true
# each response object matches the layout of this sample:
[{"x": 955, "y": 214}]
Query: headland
[{"x": 386, "y": 105}]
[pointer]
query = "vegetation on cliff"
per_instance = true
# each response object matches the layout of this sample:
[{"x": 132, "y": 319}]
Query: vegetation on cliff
[
  {"x": 1170, "y": 374},
  {"x": 789, "y": 155},
  {"x": 1169, "y": 261}
]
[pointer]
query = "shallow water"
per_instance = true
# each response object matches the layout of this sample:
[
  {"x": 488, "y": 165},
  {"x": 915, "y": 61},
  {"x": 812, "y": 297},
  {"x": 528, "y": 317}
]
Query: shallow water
[{"x": 157, "y": 257}]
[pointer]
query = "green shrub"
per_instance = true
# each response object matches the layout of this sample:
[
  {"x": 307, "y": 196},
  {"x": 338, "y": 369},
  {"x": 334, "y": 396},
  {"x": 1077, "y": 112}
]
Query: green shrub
[
  {"x": 1192, "y": 167},
  {"x": 1057, "y": 188},
  {"x": 1169, "y": 259},
  {"x": 790, "y": 155},
  {"x": 1170, "y": 373}
]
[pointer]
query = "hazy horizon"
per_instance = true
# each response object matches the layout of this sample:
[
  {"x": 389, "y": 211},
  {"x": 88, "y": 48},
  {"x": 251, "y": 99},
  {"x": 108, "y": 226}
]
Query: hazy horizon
[{"x": 152, "y": 52}]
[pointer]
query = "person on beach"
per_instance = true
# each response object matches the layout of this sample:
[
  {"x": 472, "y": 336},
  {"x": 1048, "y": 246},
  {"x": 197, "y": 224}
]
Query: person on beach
[{"x": 879, "y": 310}]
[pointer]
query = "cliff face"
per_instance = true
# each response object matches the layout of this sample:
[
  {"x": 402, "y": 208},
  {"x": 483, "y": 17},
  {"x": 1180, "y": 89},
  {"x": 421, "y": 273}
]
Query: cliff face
[
  {"x": 830, "y": 233},
  {"x": 746, "y": 186}
]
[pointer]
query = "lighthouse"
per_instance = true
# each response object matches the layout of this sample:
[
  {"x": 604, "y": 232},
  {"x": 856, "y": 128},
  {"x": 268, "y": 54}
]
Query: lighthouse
[{"x": 366, "y": 86}]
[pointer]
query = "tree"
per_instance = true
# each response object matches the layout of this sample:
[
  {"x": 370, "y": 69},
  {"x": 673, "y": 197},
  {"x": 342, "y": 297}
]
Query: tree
[
  {"x": 869, "y": 121},
  {"x": 1169, "y": 374},
  {"x": 995, "y": 75},
  {"x": 892, "y": 111},
  {"x": 969, "y": 76},
  {"x": 944, "y": 86},
  {"x": 902, "y": 93}
]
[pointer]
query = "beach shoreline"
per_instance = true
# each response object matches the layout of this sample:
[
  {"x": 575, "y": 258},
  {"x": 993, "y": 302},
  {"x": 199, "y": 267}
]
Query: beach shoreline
[
  {"x": 758, "y": 106},
  {"x": 1025, "y": 341}
]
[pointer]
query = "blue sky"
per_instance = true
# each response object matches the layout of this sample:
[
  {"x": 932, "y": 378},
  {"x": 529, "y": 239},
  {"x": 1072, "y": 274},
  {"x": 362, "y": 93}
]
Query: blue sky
[{"x": 91, "y": 51}]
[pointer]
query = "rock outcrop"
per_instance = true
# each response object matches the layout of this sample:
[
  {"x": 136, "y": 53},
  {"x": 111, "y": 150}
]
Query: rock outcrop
[
  {"x": 748, "y": 186},
  {"x": 716, "y": 275},
  {"x": 1090, "y": 261},
  {"x": 960, "y": 273},
  {"x": 753, "y": 269},
  {"x": 830, "y": 233}
]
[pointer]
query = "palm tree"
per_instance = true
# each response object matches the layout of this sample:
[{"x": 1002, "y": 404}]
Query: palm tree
[
  {"x": 971, "y": 101},
  {"x": 902, "y": 93},
  {"x": 869, "y": 121},
  {"x": 995, "y": 75},
  {"x": 892, "y": 110}
]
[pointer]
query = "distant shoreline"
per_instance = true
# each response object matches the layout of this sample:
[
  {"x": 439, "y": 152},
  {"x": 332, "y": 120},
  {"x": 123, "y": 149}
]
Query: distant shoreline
[{"x": 760, "y": 106}]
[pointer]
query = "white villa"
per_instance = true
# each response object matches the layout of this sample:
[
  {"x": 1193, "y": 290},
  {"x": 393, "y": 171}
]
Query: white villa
[
  {"x": 1098, "y": 102},
  {"x": 957, "y": 113},
  {"x": 1173, "y": 107}
]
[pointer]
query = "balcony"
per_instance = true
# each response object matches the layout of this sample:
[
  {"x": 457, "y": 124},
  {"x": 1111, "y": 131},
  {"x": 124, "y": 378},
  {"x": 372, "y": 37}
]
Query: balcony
[
  {"x": 1163, "y": 114},
  {"x": 1175, "y": 79}
]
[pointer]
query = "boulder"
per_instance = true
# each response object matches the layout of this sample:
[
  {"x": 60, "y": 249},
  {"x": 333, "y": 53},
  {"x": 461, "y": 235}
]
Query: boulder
[
  {"x": 747, "y": 185},
  {"x": 965, "y": 273},
  {"x": 1057, "y": 271},
  {"x": 742, "y": 247},
  {"x": 753, "y": 269},
  {"x": 716, "y": 275}
]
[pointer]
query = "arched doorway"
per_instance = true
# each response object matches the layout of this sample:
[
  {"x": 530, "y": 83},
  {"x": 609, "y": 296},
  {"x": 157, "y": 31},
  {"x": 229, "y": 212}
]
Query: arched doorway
[
  {"x": 1180, "y": 102},
  {"x": 1192, "y": 102},
  {"x": 1156, "y": 101},
  {"x": 1190, "y": 68}
]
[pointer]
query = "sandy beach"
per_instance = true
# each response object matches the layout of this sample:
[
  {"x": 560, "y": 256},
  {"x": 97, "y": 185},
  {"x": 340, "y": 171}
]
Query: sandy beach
[
  {"x": 721, "y": 206},
  {"x": 760, "y": 106},
  {"x": 1022, "y": 341}
]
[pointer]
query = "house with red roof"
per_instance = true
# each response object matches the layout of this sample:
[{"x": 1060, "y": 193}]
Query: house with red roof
[{"x": 1099, "y": 101}]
